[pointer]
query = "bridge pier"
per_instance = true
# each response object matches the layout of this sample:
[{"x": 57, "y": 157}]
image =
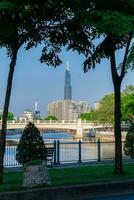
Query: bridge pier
[
  {"x": 79, "y": 133},
  {"x": 79, "y": 129}
]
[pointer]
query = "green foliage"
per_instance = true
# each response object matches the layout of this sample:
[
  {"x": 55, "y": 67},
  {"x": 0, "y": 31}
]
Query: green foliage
[
  {"x": 130, "y": 59},
  {"x": 129, "y": 143},
  {"x": 128, "y": 90},
  {"x": 31, "y": 145},
  {"x": 91, "y": 116},
  {"x": 7, "y": 5},
  {"x": 28, "y": 24},
  {"x": 51, "y": 117},
  {"x": 106, "y": 109},
  {"x": 105, "y": 113},
  {"x": 128, "y": 106},
  {"x": 10, "y": 116},
  {"x": 89, "y": 174},
  {"x": 111, "y": 23},
  {"x": 13, "y": 180}
]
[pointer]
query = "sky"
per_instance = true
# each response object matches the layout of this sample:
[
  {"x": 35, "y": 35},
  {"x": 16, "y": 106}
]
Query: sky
[{"x": 35, "y": 80}]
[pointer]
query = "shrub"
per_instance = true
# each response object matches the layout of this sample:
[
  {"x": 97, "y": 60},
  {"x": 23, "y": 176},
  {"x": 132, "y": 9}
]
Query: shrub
[
  {"x": 129, "y": 143},
  {"x": 31, "y": 145},
  {"x": 51, "y": 117}
]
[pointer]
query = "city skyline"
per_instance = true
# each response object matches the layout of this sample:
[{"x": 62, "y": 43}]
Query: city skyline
[{"x": 35, "y": 80}]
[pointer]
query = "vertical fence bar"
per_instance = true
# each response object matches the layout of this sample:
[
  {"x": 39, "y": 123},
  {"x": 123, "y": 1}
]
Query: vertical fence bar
[
  {"x": 54, "y": 151},
  {"x": 79, "y": 161},
  {"x": 15, "y": 162},
  {"x": 58, "y": 152},
  {"x": 99, "y": 150},
  {"x": 8, "y": 156}
]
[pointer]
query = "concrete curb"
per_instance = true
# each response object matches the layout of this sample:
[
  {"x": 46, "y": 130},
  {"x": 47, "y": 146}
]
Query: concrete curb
[{"x": 74, "y": 192}]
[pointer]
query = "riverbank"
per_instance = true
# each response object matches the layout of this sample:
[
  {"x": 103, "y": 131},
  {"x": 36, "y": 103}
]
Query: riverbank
[{"x": 108, "y": 136}]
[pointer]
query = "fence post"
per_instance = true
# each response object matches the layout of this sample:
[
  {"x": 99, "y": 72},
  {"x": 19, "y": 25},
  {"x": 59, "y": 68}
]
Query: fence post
[
  {"x": 79, "y": 161},
  {"x": 58, "y": 152},
  {"x": 54, "y": 151},
  {"x": 99, "y": 150}
]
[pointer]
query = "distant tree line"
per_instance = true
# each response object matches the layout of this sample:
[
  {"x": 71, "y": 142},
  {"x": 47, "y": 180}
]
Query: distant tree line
[
  {"x": 51, "y": 117},
  {"x": 105, "y": 111}
]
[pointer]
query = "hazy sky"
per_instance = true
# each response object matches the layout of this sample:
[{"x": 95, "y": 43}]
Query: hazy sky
[{"x": 35, "y": 80}]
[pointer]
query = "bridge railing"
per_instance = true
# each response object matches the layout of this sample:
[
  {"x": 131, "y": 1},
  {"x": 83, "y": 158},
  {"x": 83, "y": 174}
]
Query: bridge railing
[
  {"x": 94, "y": 124},
  {"x": 41, "y": 121},
  {"x": 71, "y": 152}
]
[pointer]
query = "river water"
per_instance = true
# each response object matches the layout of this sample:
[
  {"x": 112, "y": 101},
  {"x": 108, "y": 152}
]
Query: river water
[{"x": 47, "y": 136}]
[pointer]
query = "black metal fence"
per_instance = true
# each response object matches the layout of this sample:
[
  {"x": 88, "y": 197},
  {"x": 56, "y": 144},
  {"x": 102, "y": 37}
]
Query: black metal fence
[{"x": 71, "y": 152}]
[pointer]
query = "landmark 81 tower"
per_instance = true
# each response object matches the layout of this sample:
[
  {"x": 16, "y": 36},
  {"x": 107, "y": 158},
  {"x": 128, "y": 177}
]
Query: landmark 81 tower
[{"x": 67, "y": 88}]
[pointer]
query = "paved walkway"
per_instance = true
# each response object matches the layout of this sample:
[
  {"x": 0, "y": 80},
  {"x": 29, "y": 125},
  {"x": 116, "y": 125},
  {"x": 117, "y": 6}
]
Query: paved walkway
[
  {"x": 119, "y": 197},
  {"x": 91, "y": 163},
  {"x": 83, "y": 164}
]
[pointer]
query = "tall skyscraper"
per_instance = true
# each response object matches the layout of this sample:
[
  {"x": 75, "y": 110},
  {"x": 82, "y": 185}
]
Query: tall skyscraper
[
  {"x": 67, "y": 87},
  {"x": 67, "y": 109},
  {"x": 35, "y": 105},
  {"x": 36, "y": 111}
]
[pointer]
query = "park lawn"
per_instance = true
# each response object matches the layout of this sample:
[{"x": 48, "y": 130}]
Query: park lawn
[
  {"x": 90, "y": 174},
  {"x": 70, "y": 176},
  {"x": 12, "y": 181}
]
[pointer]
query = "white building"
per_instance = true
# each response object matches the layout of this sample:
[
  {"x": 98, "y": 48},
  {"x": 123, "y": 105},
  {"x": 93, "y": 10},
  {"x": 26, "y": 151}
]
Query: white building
[
  {"x": 28, "y": 115},
  {"x": 97, "y": 105}
]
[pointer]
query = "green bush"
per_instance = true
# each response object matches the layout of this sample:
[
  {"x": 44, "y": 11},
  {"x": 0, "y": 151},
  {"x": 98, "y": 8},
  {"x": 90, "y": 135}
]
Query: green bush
[
  {"x": 31, "y": 145},
  {"x": 129, "y": 143},
  {"x": 51, "y": 117}
]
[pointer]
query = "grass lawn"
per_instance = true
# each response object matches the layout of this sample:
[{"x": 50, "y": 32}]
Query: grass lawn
[
  {"x": 70, "y": 176},
  {"x": 12, "y": 181},
  {"x": 90, "y": 174}
]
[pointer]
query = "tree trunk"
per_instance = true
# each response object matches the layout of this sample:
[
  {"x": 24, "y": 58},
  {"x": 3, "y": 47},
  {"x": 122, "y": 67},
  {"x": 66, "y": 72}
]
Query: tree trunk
[
  {"x": 117, "y": 131},
  {"x": 5, "y": 111},
  {"x": 117, "y": 115}
]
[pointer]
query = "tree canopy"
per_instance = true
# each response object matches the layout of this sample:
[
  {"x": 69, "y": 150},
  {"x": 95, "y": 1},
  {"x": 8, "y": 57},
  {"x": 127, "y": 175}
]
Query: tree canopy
[
  {"x": 51, "y": 117},
  {"x": 30, "y": 23},
  {"x": 106, "y": 109},
  {"x": 105, "y": 112},
  {"x": 91, "y": 116},
  {"x": 128, "y": 107},
  {"x": 10, "y": 116},
  {"x": 113, "y": 25}
]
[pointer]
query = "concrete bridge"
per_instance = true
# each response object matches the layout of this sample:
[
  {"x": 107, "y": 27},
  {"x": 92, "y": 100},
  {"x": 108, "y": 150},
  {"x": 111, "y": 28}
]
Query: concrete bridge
[{"x": 77, "y": 126}]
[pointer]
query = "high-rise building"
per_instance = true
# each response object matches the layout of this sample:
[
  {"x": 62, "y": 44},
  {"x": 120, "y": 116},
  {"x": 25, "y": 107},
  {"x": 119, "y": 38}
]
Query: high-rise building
[
  {"x": 68, "y": 109},
  {"x": 67, "y": 87},
  {"x": 36, "y": 110}
]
